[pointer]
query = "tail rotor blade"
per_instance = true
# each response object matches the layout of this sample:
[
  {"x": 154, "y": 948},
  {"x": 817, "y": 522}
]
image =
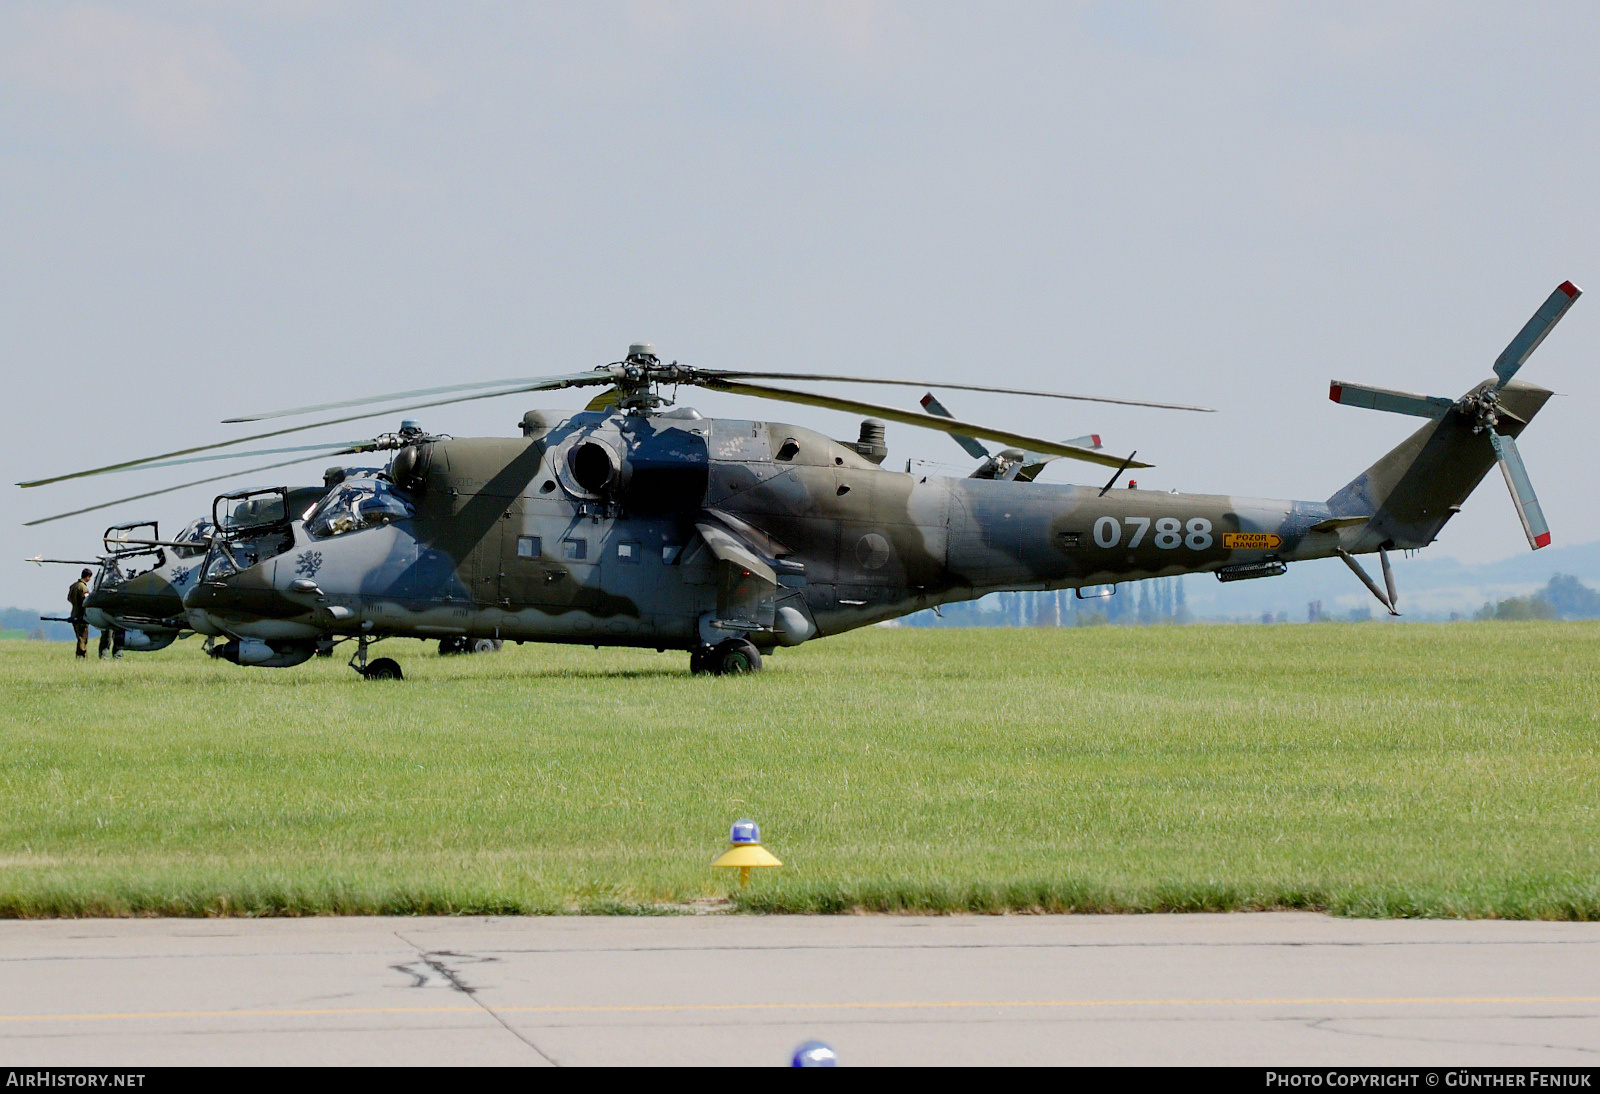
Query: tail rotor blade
[
  {"x": 968, "y": 444},
  {"x": 1533, "y": 522},
  {"x": 1534, "y": 331},
  {"x": 1396, "y": 402}
]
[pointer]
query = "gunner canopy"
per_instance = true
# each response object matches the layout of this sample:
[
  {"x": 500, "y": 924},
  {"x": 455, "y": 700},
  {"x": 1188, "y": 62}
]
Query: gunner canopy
[{"x": 356, "y": 504}]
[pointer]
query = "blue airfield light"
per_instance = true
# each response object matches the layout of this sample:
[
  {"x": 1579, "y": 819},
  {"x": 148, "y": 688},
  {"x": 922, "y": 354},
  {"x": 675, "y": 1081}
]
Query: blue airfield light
[
  {"x": 744, "y": 830},
  {"x": 814, "y": 1054}
]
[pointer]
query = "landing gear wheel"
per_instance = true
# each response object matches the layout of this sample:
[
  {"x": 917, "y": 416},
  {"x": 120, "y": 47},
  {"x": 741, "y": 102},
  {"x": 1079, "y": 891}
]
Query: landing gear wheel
[
  {"x": 448, "y": 646},
  {"x": 483, "y": 645},
  {"x": 384, "y": 668},
  {"x": 700, "y": 662},
  {"x": 734, "y": 657}
]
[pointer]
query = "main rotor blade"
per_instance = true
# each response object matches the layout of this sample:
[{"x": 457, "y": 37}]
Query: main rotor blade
[
  {"x": 1382, "y": 398},
  {"x": 530, "y": 383},
  {"x": 1521, "y": 487},
  {"x": 1534, "y": 330},
  {"x": 180, "y": 486},
  {"x": 968, "y": 445},
  {"x": 604, "y": 399},
  {"x": 905, "y": 417},
  {"x": 543, "y": 385},
  {"x": 732, "y": 374},
  {"x": 346, "y": 446}
]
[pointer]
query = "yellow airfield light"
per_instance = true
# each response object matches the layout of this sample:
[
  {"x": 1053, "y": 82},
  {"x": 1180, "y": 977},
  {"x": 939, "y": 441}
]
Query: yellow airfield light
[{"x": 745, "y": 850}]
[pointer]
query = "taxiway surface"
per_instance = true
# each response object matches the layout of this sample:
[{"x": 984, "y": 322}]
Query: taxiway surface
[{"x": 1254, "y": 989}]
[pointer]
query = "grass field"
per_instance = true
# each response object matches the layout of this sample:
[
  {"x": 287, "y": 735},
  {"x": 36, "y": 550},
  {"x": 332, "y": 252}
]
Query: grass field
[{"x": 1363, "y": 769}]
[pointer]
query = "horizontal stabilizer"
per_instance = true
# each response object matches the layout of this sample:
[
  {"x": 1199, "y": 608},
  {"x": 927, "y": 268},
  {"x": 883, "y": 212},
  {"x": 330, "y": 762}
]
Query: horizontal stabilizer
[
  {"x": 1396, "y": 402},
  {"x": 1333, "y": 524}
]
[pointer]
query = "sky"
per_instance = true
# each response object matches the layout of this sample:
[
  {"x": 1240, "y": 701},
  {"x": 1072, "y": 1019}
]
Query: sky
[{"x": 210, "y": 208}]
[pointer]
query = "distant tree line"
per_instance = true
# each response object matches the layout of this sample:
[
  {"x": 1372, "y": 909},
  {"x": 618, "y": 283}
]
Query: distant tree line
[
  {"x": 1563, "y": 597},
  {"x": 20, "y": 619}
]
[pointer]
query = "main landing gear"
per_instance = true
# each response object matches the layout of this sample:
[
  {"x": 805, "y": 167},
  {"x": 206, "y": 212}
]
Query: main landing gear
[
  {"x": 463, "y": 644},
  {"x": 730, "y": 657},
  {"x": 384, "y": 668}
]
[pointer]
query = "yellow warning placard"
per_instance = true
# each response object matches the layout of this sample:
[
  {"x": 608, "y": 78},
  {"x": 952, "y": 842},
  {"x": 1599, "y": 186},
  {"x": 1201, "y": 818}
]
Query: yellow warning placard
[{"x": 1251, "y": 541}]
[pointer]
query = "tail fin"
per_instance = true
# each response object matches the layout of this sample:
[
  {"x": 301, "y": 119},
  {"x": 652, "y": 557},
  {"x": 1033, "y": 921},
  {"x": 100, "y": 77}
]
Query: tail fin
[{"x": 1411, "y": 492}]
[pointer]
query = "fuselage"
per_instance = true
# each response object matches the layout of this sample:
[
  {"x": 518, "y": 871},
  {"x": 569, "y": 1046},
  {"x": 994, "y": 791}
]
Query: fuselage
[
  {"x": 676, "y": 531},
  {"x": 666, "y": 530}
]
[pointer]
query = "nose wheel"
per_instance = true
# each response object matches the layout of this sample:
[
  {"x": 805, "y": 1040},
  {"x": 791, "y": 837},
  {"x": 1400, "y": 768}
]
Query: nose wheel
[{"x": 731, "y": 657}]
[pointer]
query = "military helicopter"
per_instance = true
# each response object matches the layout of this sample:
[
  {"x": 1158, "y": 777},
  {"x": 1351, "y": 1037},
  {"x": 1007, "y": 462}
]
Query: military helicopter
[
  {"x": 139, "y": 581},
  {"x": 632, "y": 524}
]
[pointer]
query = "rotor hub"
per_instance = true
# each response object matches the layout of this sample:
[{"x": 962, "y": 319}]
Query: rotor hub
[{"x": 1484, "y": 407}]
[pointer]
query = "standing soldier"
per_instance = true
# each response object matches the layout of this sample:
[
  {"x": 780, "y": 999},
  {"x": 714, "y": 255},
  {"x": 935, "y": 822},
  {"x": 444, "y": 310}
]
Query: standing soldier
[
  {"x": 76, "y": 595},
  {"x": 110, "y": 642}
]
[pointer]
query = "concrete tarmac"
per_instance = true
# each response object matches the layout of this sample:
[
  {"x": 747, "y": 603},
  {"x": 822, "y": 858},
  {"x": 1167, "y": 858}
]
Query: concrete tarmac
[{"x": 1253, "y": 989}]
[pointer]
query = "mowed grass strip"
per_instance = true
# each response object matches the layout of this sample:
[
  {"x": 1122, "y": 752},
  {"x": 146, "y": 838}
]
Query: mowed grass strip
[{"x": 1368, "y": 770}]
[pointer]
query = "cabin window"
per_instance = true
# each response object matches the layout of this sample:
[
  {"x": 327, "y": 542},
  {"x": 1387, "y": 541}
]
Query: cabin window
[
  {"x": 628, "y": 552},
  {"x": 574, "y": 550},
  {"x": 527, "y": 546}
]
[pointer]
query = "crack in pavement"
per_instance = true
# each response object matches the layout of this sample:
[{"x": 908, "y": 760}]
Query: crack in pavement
[
  {"x": 430, "y": 966},
  {"x": 433, "y": 961},
  {"x": 1325, "y": 1025}
]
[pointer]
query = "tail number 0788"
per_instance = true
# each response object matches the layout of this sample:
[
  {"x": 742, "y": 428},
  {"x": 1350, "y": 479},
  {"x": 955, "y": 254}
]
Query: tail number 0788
[{"x": 1170, "y": 532}]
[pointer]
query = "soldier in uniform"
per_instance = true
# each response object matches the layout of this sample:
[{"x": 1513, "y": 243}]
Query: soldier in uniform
[
  {"x": 76, "y": 595},
  {"x": 110, "y": 642}
]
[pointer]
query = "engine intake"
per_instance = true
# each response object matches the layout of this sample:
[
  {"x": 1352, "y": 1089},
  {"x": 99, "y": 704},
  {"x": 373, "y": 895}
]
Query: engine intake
[{"x": 596, "y": 469}]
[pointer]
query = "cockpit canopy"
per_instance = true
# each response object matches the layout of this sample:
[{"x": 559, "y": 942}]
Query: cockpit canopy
[
  {"x": 356, "y": 504},
  {"x": 250, "y": 510},
  {"x": 196, "y": 532}
]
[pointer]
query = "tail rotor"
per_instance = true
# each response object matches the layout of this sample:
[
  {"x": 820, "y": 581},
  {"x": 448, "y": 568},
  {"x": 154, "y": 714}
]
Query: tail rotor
[{"x": 1482, "y": 406}]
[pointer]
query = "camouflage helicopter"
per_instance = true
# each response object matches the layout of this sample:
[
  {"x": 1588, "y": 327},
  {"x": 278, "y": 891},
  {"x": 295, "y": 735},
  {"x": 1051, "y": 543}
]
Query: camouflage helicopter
[
  {"x": 630, "y": 524},
  {"x": 139, "y": 582},
  {"x": 140, "y": 579}
]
